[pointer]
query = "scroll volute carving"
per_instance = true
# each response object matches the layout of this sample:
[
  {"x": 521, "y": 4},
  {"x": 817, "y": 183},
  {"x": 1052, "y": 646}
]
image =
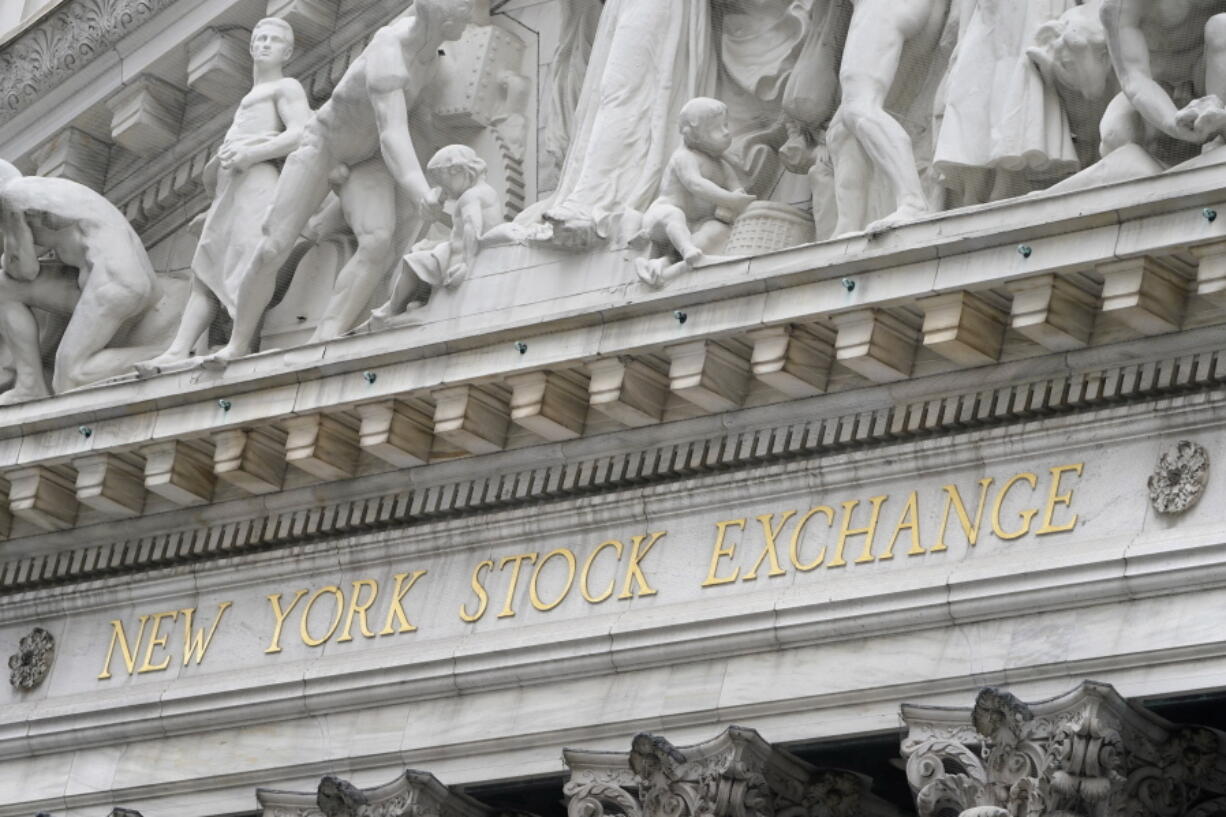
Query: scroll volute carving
[
  {"x": 1089, "y": 753},
  {"x": 413, "y": 794},
  {"x": 737, "y": 774}
]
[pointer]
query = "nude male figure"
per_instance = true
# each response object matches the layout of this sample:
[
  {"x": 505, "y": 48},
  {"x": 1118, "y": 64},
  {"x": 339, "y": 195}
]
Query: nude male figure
[
  {"x": 1157, "y": 44},
  {"x": 358, "y": 140},
  {"x": 267, "y": 126},
  {"x": 114, "y": 283},
  {"x": 862, "y": 135}
]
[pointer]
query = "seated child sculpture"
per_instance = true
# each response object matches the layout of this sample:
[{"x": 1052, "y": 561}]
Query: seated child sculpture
[
  {"x": 460, "y": 175},
  {"x": 700, "y": 196}
]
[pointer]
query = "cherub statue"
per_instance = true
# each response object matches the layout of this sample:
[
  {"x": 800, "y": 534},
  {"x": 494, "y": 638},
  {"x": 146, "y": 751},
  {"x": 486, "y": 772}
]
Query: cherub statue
[
  {"x": 700, "y": 196},
  {"x": 460, "y": 175},
  {"x": 114, "y": 282},
  {"x": 267, "y": 126}
]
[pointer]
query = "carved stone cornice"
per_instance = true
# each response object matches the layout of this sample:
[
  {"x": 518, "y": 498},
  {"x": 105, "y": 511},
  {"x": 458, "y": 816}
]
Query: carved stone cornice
[
  {"x": 1087, "y": 753},
  {"x": 413, "y": 794},
  {"x": 735, "y": 774},
  {"x": 63, "y": 43}
]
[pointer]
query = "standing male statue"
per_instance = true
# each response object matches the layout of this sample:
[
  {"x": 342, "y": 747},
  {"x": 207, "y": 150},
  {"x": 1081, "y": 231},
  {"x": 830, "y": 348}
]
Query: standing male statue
[
  {"x": 863, "y": 136},
  {"x": 267, "y": 126},
  {"x": 114, "y": 284},
  {"x": 358, "y": 140}
]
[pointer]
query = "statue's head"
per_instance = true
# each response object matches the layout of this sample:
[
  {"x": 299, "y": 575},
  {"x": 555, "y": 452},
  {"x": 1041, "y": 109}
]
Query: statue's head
[
  {"x": 1071, "y": 52},
  {"x": 8, "y": 173},
  {"x": 704, "y": 125},
  {"x": 272, "y": 41},
  {"x": 456, "y": 168},
  {"x": 448, "y": 18}
]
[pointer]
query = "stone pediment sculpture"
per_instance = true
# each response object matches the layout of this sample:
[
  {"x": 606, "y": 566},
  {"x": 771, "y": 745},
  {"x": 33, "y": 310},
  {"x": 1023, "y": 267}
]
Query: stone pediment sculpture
[
  {"x": 736, "y": 774},
  {"x": 69, "y": 251},
  {"x": 413, "y": 794},
  {"x": 1087, "y": 753}
]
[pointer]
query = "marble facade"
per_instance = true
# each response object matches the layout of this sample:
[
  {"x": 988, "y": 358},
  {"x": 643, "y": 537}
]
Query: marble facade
[{"x": 630, "y": 402}]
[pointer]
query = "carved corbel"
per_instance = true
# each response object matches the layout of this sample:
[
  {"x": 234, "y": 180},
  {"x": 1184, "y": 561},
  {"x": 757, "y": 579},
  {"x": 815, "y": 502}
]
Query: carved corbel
[
  {"x": 180, "y": 472},
  {"x": 627, "y": 391},
  {"x": 964, "y": 328},
  {"x": 219, "y": 64},
  {"x": 75, "y": 155},
  {"x": 396, "y": 433},
  {"x": 43, "y": 497},
  {"x": 1053, "y": 312},
  {"x": 794, "y": 360},
  {"x": 471, "y": 418},
  {"x": 107, "y": 483},
  {"x": 549, "y": 405},
  {"x": 875, "y": 345},
  {"x": 253, "y": 460},
  {"x": 1211, "y": 270},
  {"x": 1145, "y": 294},
  {"x": 313, "y": 21},
  {"x": 322, "y": 446},
  {"x": 146, "y": 115},
  {"x": 708, "y": 375}
]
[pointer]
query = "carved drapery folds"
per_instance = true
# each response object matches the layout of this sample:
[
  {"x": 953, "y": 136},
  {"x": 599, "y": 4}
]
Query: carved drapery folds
[
  {"x": 737, "y": 774},
  {"x": 413, "y": 794},
  {"x": 1088, "y": 753}
]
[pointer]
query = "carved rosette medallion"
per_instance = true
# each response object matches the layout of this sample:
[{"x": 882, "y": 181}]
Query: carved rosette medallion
[
  {"x": 32, "y": 662},
  {"x": 1180, "y": 479}
]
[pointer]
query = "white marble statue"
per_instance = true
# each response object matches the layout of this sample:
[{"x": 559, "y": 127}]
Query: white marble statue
[
  {"x": 114, "y": 282},
  {"x": 1169, "y": 58},
  {"x": 358, "y": 141},
  {"x": 460, "y": 174},
  {"x": 863, "y": 137},
  {"x": 1071, "y": 55},
  {"x": 649, "y": 59},
  {"x": 1000, "y": 124},
  {"x": 267, "y": 126},
  {"x": 700, "y": 196},
  {"x": 568, "y": 69}
]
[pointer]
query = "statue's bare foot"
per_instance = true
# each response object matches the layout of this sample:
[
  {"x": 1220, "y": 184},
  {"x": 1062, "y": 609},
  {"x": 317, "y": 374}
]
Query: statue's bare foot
[
  {"x": 159, "y": 364},
  {"x": 649, "y": 271},
  {"x": 903, "y": 215},
  {"x": 220, "y": 359},
  {"x": 23, "y": 394}
]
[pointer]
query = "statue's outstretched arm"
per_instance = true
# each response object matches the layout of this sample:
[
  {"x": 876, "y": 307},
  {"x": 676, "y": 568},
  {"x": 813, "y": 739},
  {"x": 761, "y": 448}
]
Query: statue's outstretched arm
[
  {"x": 20, "y": 259},
  {"x": 1130, "y": 58}
]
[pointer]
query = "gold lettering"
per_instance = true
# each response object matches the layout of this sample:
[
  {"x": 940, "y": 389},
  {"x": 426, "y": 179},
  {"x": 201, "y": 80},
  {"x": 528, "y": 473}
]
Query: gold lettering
[
  {"x": 275, "y": 601},
  {"x": 507, "y": 609},
  {"x": 587, "y": 570},
  {"x": 868, "y": 532},
  {"x": 800, "y": 529},
  {"x": 156, "y": 639},
  {"x": 479, "y": 589},
  {"x": 304, "y": 625},
  {"x": 1026, "y": 515},
  {"x": 118, "y": 636},
  {"x": 358, "y": 608},
  {"x": 770, "y": 534},
  {"x": 195, "y": 642},
  {"x": 395, "y": 608},
  {"x": 1055, "y": 498},
  {"x": 534, "y": 594},
  {"x": 634, "y": 573},
  {"x": 953, "y": 499},
  {"x": 721, "y": 552},
  {"x": 909, "y": 520}
]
